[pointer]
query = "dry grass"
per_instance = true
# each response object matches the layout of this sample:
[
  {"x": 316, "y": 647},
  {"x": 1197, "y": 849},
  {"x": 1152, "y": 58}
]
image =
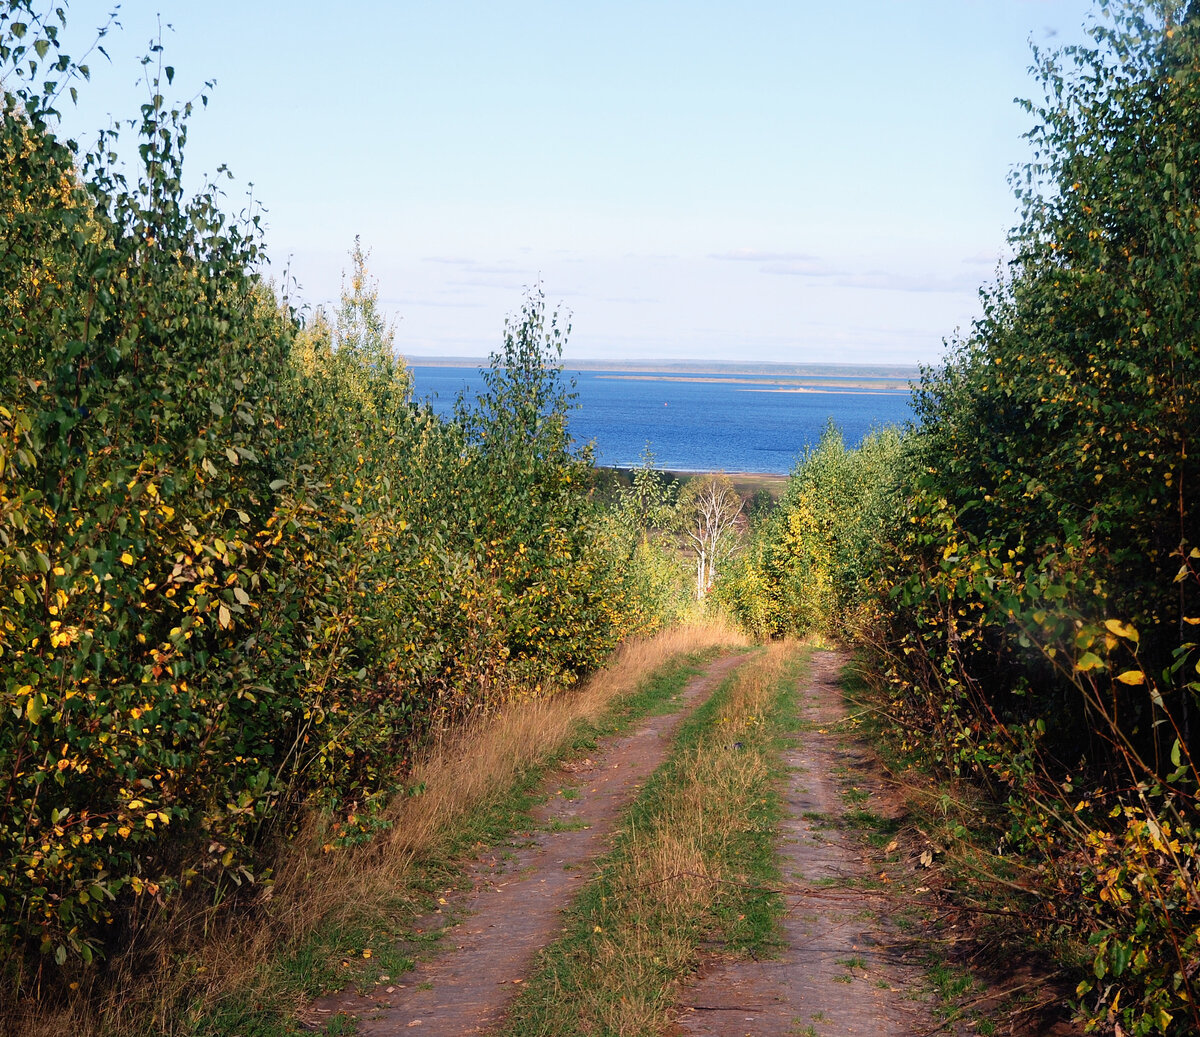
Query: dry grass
[
  {"x": 678, "y": 864},
  {"x": 196, "y": 964}
]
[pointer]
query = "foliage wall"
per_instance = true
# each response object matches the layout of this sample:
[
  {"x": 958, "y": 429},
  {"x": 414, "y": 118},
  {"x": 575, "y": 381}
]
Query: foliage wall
[
  {"x": 241, "y": 573},
  {"x": 1044, "y": 590}
]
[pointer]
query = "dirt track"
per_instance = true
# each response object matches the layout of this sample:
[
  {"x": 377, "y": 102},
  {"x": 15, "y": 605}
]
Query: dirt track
[
  {"x": 518, "y": 891},
  {"x": 843, "y": 970}
]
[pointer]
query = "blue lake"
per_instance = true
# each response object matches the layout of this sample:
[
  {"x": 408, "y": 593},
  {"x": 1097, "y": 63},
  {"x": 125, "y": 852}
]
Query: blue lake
[{"x": 742, "y": 425}]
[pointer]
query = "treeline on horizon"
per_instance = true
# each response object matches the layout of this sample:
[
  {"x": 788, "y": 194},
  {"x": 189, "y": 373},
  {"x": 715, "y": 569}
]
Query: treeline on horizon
[{"x": 243, "y": 575}]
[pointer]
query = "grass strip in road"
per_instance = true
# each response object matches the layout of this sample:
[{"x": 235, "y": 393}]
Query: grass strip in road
[{"x": 692, "y": 864}]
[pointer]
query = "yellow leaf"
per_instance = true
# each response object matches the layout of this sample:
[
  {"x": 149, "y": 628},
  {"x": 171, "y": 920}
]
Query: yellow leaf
[
  {"x": 1132, "y": 677},
  {"x": 126, "y": 558},
  {"x": 1122, "y": 629},
  {"x": 1088, "y": 661}
]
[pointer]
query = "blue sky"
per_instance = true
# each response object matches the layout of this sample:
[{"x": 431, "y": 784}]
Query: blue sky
[{"x": 799, "y": 182}]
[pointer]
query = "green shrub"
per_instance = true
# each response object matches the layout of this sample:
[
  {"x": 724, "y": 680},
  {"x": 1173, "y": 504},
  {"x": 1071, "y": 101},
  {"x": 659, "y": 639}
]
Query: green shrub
[
  {"x": 811, "y": 560},
  {"x": 1046, "y": 581}
]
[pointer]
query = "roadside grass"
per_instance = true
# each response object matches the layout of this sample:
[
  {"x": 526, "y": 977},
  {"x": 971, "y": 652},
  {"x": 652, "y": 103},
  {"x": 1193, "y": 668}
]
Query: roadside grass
[
  {"x": 693, "y": 863},
  {"x": 334, "y": 918},
  {"x": 957, "y": 893}
]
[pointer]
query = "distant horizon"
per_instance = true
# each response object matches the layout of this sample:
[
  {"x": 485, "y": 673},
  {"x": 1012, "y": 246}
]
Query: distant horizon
[{"x": 669, "y": 365}]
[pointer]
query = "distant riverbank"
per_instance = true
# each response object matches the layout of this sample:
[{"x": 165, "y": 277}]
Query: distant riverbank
[{"x": 900, "y": 373}]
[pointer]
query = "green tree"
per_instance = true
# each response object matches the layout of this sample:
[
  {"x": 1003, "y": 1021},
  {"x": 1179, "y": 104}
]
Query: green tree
[
  {"x": 1068, "y": 418},
  {"x": 525, "y": 501},
  {"x": 1048, "y": 566},
  {"x": 647, "y": 505},
  {"x": 642, "y": 521},
  {"x": 812, "y": 559}
]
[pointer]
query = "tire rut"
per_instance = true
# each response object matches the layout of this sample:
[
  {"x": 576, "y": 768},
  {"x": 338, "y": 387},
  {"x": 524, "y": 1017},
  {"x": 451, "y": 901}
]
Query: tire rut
[
  {"x": 518, "y": 891},
  {"x": 842, "y": 970}
]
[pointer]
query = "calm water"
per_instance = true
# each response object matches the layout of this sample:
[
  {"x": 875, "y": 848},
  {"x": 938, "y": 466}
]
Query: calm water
[{"x": 695, "y": 426}]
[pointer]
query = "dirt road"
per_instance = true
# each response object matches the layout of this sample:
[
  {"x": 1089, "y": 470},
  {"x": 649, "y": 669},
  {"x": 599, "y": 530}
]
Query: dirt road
[
  {"x": 843, "y": 967},
  {"x": 519, "y": 890}
]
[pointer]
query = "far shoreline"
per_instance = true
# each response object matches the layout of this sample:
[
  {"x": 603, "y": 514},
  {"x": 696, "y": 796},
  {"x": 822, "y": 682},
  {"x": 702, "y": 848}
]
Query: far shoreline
[{"x": 746, "y": 483}]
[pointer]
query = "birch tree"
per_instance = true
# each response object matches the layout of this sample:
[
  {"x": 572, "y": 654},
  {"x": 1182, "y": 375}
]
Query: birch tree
[{"x": 709, "y": 508}]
